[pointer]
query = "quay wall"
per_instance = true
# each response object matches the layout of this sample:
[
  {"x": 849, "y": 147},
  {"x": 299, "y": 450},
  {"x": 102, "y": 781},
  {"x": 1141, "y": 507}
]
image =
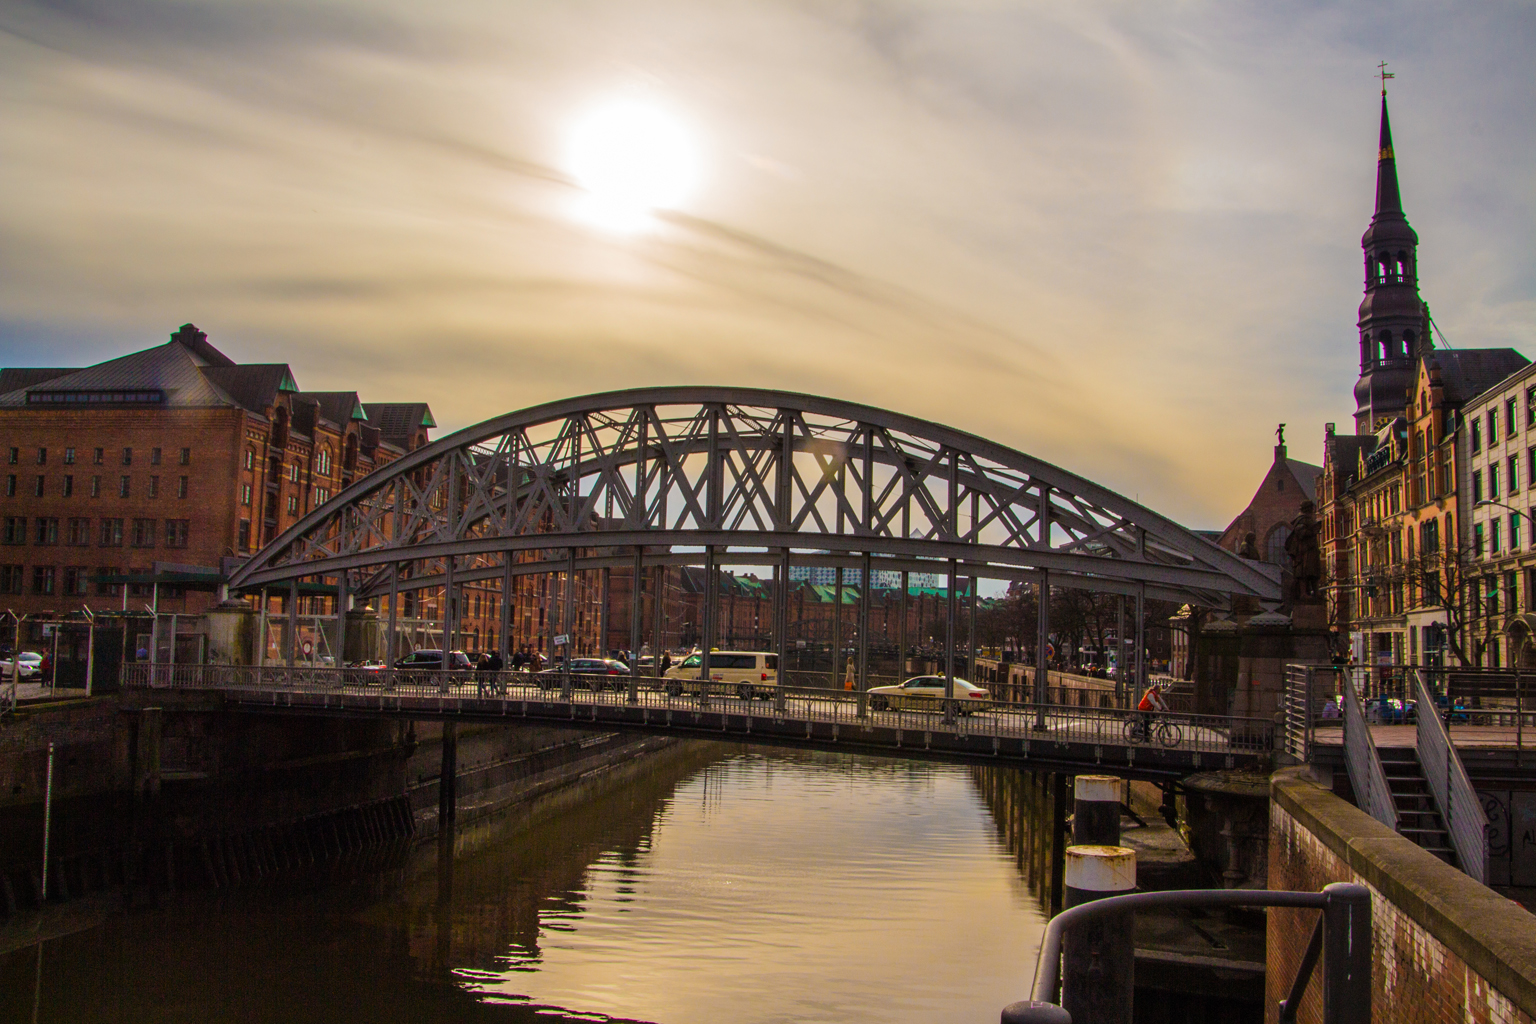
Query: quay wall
[{"x": 1445, "y": 948}]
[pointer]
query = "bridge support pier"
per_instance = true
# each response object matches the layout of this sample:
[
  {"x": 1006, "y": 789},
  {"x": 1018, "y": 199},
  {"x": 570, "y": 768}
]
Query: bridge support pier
[{"x": 448, "y": 782}]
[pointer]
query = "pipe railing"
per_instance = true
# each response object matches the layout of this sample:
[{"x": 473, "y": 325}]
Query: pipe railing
[
  {"x": 1366, "y": 775},
  {"x": 1217, "y": 734},
  {"x": 1342, "y": 940},
  {"x": 1458, "y": 803}
]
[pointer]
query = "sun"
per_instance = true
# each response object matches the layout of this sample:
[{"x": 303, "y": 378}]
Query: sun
[{"x": 632, "y": 158}]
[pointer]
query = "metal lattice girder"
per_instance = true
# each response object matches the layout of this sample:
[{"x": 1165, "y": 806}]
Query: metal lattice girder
[{"x": 740, "y": 468}]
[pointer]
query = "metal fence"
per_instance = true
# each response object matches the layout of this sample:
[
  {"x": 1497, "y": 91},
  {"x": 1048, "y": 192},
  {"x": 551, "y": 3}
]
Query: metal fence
[
  {"x": 492, "y": 690},
  {"x": 1366, "y": 775},
  {"x": 1459, "y": 804}
]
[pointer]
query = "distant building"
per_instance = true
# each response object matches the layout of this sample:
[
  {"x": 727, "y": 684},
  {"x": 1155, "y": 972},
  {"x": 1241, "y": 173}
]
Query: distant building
[
  {"x": 1274, "y": 506},
  {"x": 884, "y": 579}
]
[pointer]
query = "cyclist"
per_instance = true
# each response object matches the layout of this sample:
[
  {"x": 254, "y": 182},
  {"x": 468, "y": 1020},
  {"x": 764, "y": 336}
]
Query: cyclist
[{"x": 1151, "y": 701}]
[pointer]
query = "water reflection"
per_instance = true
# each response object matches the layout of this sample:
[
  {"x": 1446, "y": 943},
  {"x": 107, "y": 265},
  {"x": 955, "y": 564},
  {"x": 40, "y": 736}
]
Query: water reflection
[{"x": 765, "y": 886}]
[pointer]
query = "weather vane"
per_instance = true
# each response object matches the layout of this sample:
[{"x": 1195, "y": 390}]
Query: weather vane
[{"x": 1385, "y": 74}]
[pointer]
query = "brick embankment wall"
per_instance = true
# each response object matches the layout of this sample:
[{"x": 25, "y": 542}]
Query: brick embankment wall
[{"x": 1445, "y": 948}]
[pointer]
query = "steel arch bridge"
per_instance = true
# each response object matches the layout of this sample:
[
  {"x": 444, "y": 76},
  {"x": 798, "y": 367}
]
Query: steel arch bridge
[{"x": 744, "y": 474}]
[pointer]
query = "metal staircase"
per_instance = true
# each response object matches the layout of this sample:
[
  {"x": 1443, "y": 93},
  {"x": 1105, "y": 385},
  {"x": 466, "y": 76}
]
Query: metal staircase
[{"x": 1418, "y": 818}]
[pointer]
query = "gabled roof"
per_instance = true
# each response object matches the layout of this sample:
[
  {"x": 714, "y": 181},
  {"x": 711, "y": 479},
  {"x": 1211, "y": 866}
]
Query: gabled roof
[
  {"x": 340, "y": 407},
  {"x": 1344, "y": 451},
  {"x": 16, "y": 377},
  {"x": 1467, "y": 372},
  {"x": 1306, "y": 476},
  {"x": 399, "y": 420},
  {"x": 253, "y": 386},
  {"x": 171, "y": 368}
]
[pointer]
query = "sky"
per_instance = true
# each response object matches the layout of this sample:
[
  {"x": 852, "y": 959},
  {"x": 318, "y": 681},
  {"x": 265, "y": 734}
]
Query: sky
[{"x": 1121, "y": 237}]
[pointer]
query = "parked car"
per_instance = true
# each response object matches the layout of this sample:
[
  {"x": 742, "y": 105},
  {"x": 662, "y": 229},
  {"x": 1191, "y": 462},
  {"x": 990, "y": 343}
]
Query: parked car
[
  {"x": 747, "y": 674},
  {"x": 587, "y": 673},
  {"x": 457, "y": 660},
  {"x": 926, "y": 693},
  {"x": 31, "y": 666}
]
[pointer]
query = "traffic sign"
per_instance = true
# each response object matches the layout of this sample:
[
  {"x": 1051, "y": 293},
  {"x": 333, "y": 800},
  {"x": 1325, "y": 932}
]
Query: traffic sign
[
  {"x": 562, "y": 639},
  {"x": 308, "y": 648}
]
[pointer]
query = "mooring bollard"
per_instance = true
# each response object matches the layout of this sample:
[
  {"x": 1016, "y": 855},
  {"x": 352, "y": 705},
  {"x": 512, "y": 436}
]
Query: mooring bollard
[
  {"x": 1031, "y": 1012},
  {"x": 1098, "y": 975},
  {"x": 1096, "y": 810}
]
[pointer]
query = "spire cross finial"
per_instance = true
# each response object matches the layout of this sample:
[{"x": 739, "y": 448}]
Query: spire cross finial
[{"x": 1385, "y": 74}]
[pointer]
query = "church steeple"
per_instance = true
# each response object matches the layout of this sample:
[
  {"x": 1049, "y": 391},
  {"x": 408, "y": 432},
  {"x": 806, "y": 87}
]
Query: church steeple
[
  {"x": 1392, "y": 317},
  {"x": 1388, "y": 199}
]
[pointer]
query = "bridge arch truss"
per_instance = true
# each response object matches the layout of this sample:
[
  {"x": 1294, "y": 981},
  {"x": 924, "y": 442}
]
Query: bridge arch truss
[{"x": 719, "y": 476}]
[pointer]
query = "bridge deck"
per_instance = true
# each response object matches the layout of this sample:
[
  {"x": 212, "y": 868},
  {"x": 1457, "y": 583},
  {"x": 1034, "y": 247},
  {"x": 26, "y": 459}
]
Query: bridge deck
[{"x": 1029, "y": 735}]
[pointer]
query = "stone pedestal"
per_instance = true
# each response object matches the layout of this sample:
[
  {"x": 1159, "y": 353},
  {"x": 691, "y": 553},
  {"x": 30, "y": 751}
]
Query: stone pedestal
[
  {"x": 365, "y": 638},
  {"x": 231, "y": 628}
]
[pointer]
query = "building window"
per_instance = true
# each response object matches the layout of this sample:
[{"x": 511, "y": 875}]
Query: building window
[
  {"x": 69, "y": 456},
  {"x": 1513, "y": 476},
  {"x": 74, "y": 580},
  {"x": 245, "y": 495},
  {"x": 95, "y": 486},
  {"x": 15, "y": 456},
  {"x": 47, "y": 530},
  {"x": 1491, "y": 606},
  {"x": 69, "y": 486},
  {"x": 154, "y": 456},
  {"x": 42, "y": 579},
  {"x": 144, "y": 533},
  {"x": 176, "y": 532},
  {"x": 154, "y": 487},
  {"x": 250, "y": 458},
  {"x": 245, "y": 535},
  {"x": 1493, "y": 481},
  {"x": 293, "y": 473},
  {"x": 1493, "y": 536},
  {"x": 293, "y": 504},
  {"x": 124, "y": 487},
  {"x": 10, "y": 481},
  {"x": 1477, "y": 435},
  {"x": 1477, "y": 540},
  {"x": 40, "y": 486},
  {"x": 104, "y": 588},
  {"x": 1477, "y": 486},
  {"x": 325, "y": 461},
  {"x": 181, "y": 487},
  {"x": 99, "y": 456},
  {"x": 1514, "y": 533},
  {"x": 79, "y": 533},
  {"x": 15, "y": 530},
  {"x": 1509, "y": 418},
  {"x": 1493, "y": 425},
  {"x": 322, "y": 495},
  {"x": 186, "y": 457},
  {"x": 127, "y": 456},
  {"x": 11, "y": 579},
  {"x": 111, "y": 533},
  {"x": 42, "y": 456}
]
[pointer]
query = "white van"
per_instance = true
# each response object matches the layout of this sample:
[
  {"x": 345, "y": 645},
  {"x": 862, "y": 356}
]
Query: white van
[{"x": 747, "y": 674}]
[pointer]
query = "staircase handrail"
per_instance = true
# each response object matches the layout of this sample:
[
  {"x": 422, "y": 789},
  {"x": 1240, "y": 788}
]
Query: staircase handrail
[
  {"x": 1449, "y": 784},
  {"x": 1366, "y": 775}
]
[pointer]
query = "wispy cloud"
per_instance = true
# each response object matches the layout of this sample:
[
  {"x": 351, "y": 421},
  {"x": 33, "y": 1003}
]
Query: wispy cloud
[{"x": 1120, "y": 237}]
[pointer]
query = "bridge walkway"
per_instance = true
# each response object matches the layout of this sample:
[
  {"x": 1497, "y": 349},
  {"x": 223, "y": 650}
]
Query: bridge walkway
[{"x": 1046, "y": 736}]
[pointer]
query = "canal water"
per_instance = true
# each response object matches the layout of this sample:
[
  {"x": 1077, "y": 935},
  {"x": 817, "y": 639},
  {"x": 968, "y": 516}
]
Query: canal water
[{"x": 710, "y": 884}]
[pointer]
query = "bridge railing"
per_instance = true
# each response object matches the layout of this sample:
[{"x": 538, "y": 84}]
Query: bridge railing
[
  {"x": 1058, "y": 722},
  {"x": 1458, "y": 803}
]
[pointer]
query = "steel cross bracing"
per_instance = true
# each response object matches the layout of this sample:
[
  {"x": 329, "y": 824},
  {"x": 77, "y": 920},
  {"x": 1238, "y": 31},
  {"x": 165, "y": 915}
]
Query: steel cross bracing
[{"x": 747, "y": 472}]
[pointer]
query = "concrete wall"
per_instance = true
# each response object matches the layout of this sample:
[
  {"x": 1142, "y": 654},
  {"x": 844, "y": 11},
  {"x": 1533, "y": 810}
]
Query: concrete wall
[{"x": 1445, "y": 948}]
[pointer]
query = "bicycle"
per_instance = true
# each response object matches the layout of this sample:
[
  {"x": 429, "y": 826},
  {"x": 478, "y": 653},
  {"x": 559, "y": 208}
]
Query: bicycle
[{"x": 1164, "y": 730}]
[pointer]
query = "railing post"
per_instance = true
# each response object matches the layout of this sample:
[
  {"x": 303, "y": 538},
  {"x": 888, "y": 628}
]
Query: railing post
[{"x": 1346, "y": 953}]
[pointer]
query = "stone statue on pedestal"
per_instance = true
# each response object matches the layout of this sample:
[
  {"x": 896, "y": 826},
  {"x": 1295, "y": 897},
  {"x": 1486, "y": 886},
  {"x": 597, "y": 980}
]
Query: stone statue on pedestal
[{"x": 1306, "y": 558}]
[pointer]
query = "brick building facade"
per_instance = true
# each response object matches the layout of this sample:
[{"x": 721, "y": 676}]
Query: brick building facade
[{"x": 141, "y": 479}]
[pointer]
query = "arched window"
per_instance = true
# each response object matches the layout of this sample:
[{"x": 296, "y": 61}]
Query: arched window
[
  {"x": 1274, "y": 545},
  {"x": 1408, "y": 342},
  {"x": 325, "y": 461},
  {"x": 1388, "y": 346}
]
